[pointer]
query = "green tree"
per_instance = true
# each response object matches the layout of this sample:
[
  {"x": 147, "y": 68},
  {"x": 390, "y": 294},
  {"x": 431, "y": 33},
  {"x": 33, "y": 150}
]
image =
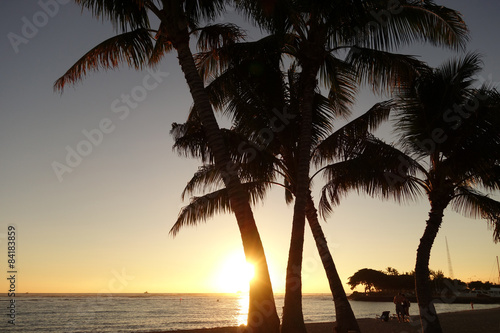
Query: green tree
[
  {"x": 405, "y": 282},
  {"x": 381, "y": 281},
  {"x": 450, "y": 148},
  {"x": 392, "y": 271},
  {"x": 370, "y": 278},
  {"x": 138, "y": 45},
  {"x": 325, "y": 31},
  {"x": 479, "y": 285}
]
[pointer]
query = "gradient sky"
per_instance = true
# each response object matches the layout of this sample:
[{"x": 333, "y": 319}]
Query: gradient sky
[{"x": 104, "y": 227}]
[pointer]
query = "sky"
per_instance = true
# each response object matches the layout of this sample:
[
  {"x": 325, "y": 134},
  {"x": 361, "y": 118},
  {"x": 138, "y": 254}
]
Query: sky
[{"x": 100, "y": 221}]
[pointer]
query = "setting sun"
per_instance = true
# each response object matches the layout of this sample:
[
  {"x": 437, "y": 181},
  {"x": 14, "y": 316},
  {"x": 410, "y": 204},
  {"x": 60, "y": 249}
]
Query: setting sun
[{"x": 234, "y": 274}]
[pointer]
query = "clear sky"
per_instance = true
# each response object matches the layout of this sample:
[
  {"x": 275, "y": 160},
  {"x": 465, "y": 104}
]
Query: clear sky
[{"x": 103, "y": 227}]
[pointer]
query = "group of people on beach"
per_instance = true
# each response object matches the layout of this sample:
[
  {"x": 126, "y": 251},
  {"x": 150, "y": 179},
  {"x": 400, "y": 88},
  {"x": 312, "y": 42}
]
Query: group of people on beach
[{"x": 402, "y": 307}]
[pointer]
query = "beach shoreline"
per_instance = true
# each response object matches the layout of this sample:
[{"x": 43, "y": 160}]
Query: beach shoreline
[{"x": 469, "y": 321}]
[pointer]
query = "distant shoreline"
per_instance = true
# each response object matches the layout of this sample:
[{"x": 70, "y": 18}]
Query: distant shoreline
[
  {"x": 487, "y": 320},
  {"x": 448, "y": 299}
]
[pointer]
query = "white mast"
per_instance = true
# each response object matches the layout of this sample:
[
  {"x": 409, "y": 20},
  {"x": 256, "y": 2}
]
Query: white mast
[
  {"x": 498, "y": 266},
  {"x": 450, "y": 269}
]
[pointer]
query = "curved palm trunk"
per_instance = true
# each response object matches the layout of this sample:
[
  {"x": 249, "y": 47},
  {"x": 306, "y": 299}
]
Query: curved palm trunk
[
  {"x": 346, "y": 321},
  {"x": 262, "y": 316},
  {"x": 293, "y": 318},
  {"x": 428, "y": 316}
]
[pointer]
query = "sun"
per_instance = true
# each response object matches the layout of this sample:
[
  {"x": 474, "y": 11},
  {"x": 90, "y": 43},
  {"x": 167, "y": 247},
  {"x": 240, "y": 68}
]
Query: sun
[{"x": 234, "y": 274}]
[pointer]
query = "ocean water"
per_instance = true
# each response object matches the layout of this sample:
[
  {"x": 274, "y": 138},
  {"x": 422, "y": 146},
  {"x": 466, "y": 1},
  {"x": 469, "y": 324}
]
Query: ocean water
[{"x": 163, "y": 312}]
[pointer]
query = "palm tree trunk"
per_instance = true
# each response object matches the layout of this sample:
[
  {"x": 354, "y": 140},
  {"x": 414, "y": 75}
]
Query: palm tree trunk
[
  {"x": 293, "y": 318},
  {"x": 428, "y": 316},
  {"x": 346, "y": 321},
  {"x": 262, "y": 316}
]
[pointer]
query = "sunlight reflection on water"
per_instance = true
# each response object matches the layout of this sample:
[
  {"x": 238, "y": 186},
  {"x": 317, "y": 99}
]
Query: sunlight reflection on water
[{"x": 242, "y": 315}]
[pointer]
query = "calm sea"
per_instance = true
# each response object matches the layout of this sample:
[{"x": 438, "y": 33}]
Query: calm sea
[{"x": 161, "y": 312}]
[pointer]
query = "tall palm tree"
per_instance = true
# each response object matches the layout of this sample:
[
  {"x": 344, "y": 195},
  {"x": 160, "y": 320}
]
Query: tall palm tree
[
  {"x": 328, "y": 29},
  {"x": 449, "y": 135},
  {"x": 251, "y": 104},
  {"x": 138, "y": 45}
]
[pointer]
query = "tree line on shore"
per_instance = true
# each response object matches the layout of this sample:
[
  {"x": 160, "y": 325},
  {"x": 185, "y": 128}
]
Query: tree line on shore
[{"x": 391, "y": 281}]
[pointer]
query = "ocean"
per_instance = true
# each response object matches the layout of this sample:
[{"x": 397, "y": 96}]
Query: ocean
[{"x": 163, "y": 312}]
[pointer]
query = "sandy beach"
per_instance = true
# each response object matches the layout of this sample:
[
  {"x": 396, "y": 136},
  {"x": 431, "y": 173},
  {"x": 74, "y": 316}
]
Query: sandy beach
[{"x": 471, "y": 321}]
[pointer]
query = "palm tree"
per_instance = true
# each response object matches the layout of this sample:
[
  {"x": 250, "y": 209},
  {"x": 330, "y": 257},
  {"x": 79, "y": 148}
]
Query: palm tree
[
  {"x": 450, "y": 150},
  {"x": 324, "y": 31},
  {"x": 138, "y": 45},
  {"x": 250, "y": 103}
]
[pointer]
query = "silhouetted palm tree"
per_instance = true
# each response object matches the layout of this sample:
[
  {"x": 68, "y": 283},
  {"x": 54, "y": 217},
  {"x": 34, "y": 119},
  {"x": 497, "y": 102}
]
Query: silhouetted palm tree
[
  {"x": 324, "y": 31},
  {"x": 449, "y": 134},
  {"x": 135, "y": 46},
  {"x": 252, "y": 104}
]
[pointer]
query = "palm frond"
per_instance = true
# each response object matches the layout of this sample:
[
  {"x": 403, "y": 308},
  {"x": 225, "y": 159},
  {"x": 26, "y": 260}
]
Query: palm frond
[
  {"x": 341, "y": 143},
  {"x": 380, "y": 170},
  {"x": 201, "y": 209},
  {"x": 258, "y": 165},
  {"x": 125, "y": 14},
  {"x": 250, "y": 86},
  {"x": 216, "y": 36},
  {"x": 206, "y": 178},
  {"x": 461, "y": 72},
  {"x": 272, "y": 16},
  {"x": 491, "y": 178},
  {"x": 161, "y": 48},
  {"x": 240, "y": 57},
  {"x": 439, "y": 25},
  {"x": 455, "y": 127},
  {"x": 341, "y": 80},
  {"x": 411, "y": 21},
  {"x": 250, "y": 157},
  {"x": 131, "y": 48},
  {"x": 384, "y": 71},
  {"x": 199, "y": 10},
  {"x": 190, "y": 139},
  {"x": 324, "y": 116},
  {"x": 471, "y": 203},
  {"x": 443, "y": 106}
]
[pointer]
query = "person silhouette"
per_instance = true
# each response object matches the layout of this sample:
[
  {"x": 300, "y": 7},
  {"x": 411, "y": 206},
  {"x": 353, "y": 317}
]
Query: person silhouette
[
  {"x": 406, "y": 305},
  {"x": 400, "y": 301}
]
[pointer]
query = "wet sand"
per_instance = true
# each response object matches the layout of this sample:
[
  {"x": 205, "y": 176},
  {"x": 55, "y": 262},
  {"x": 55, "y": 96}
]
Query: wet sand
[{"x": 470, "y": 321}]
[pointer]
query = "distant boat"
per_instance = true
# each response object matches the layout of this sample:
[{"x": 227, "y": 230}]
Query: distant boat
[{"x": 145, "y": 292}]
